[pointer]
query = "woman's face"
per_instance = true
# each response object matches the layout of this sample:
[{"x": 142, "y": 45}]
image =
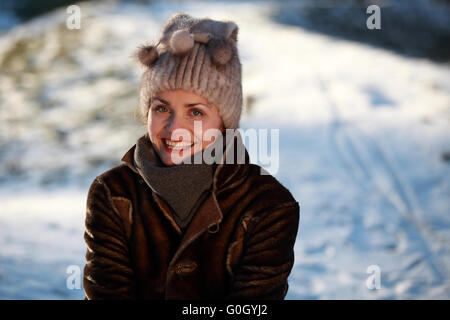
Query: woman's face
[{"x": 178, "y": 109}]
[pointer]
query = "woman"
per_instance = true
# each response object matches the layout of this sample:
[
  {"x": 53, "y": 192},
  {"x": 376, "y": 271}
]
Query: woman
[{"x": 164, "y": 225}]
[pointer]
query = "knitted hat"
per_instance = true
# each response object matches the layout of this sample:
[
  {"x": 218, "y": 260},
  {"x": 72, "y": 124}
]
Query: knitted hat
[{"x": 197, "y": 55}]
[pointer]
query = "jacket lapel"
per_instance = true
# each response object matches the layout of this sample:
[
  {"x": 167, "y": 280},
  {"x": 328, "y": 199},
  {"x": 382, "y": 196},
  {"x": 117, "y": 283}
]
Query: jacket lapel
[{"x": 128, "y": 159}]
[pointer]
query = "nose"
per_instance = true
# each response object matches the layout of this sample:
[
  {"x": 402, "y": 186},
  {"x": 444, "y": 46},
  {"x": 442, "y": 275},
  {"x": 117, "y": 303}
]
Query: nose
[{"x": 175, "y": 122}]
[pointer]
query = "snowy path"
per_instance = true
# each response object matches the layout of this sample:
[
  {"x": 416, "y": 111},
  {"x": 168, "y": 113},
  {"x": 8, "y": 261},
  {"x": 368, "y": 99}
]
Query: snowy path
[
  {"x": 366, "y": 161},
  {"x": 362, "y": 135}
]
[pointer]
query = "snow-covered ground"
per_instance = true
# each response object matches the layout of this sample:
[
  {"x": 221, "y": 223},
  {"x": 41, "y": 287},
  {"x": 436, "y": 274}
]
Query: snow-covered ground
[{"x": 364, "y": 134}]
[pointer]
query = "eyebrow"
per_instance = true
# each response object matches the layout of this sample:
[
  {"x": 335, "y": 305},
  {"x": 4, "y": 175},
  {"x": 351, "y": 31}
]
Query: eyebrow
[{"x": 187, "y": 105}]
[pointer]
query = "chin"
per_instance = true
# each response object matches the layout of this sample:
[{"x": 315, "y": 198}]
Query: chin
[{"x": 167, "y": 159}]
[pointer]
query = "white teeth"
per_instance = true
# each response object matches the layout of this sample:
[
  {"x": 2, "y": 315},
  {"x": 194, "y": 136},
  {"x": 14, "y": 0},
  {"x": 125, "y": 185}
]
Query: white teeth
[{"x": 177, "y": 144}]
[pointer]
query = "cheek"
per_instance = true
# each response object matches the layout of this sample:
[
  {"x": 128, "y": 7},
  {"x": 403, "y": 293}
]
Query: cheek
[
  {"x": 154, "y": 129},
  {"x": 216, "y": 120},
  {"x": 154, "y": 125},
  {"x": 209, "y": 133}
]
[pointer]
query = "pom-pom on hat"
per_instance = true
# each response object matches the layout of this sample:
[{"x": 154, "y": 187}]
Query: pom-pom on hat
[{"x": 198, "y": 55}]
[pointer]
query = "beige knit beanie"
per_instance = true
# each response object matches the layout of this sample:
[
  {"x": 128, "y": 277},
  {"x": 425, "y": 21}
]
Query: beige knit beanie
[{"x": 198, "y": 55}]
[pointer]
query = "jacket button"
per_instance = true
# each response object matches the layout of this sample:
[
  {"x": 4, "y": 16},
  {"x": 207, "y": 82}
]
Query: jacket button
[
  {"x": 185, "y": 267},
  {"x": 213, "y": 228}
]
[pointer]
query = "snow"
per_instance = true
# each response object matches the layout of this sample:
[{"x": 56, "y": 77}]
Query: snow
[
  {"x": 362, "y": 134},
  {"x": 41, "y": 235}
]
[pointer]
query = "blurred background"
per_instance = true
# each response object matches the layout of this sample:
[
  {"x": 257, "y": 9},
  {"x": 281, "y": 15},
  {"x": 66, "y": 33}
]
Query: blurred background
[{"x": 364, "y": 119}]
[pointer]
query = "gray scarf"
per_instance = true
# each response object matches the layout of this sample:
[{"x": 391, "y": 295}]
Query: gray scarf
[{"x": 183, "y": 186}]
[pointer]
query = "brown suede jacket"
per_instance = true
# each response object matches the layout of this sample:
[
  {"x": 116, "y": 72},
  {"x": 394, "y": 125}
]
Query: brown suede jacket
[{"x": 239, "y": 244}]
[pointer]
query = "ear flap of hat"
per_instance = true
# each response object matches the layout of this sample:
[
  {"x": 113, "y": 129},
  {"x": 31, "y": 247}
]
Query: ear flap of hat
[
  {"x": 232, "y": 31},
  {"x": 221, "y": 51},
  {"x": 147, "y": 55}
]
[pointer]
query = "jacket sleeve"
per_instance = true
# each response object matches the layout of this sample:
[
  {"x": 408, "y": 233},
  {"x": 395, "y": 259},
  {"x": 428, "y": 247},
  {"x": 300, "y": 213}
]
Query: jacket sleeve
[
  {"x": 268, "y": 255},
  {"x": 107, "y": 273}
]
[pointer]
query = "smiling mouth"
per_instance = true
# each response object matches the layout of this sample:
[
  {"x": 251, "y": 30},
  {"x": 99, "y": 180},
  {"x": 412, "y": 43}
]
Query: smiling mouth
[{"x": 176, "y": 145}]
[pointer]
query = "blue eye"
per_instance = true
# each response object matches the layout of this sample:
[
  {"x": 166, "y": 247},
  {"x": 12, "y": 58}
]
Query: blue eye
[
  {"x": 196, "y": 113},
  {"x": 160, "y": 108}
]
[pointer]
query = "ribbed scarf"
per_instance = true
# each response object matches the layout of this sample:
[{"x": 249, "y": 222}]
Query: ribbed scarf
[{"x": 184, "y": 187}]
